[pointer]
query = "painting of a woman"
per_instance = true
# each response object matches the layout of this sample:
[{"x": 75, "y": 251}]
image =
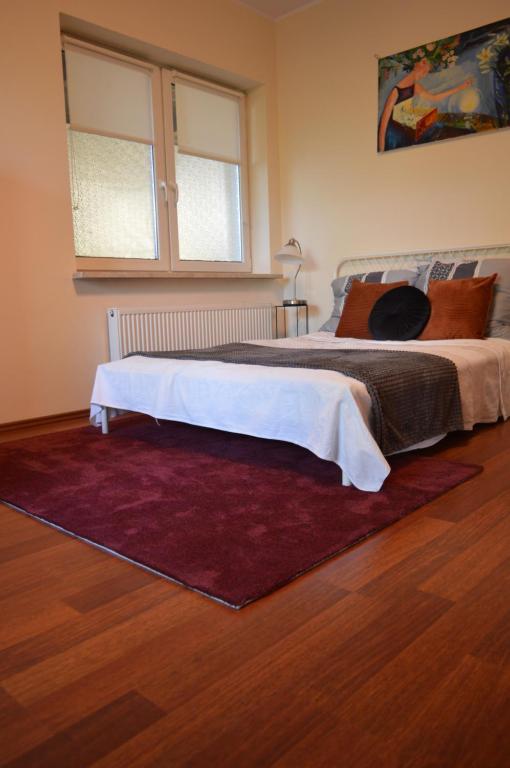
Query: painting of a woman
[
  {"x": 391, "y": 134},
  {"x": 444, "y": 89}
]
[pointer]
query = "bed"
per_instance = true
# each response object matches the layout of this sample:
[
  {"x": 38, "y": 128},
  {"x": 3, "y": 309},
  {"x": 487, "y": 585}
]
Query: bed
[{"x": 322, "y": 410}]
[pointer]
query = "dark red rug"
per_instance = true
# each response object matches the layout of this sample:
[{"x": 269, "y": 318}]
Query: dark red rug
[{"x": 231, "y": 516}]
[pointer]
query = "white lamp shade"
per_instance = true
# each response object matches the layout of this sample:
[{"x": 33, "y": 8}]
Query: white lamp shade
[{"x": 289, "y": 254}]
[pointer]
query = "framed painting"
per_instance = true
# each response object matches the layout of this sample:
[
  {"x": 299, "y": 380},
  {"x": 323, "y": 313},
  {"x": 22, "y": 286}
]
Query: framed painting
[{"x": 447, "y": 88}]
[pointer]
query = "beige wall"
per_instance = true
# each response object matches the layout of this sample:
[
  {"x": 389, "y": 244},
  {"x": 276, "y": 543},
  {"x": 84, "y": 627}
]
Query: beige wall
[
  {"x": 339, "y": 197},
  {"x": 53, "y": 330}
]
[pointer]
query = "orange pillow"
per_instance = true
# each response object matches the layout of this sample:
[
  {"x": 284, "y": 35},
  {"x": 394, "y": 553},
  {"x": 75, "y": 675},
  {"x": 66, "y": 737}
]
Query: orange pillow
[
  {"x": 359, "y": 301},
  {"x": 459, "y": 308}
]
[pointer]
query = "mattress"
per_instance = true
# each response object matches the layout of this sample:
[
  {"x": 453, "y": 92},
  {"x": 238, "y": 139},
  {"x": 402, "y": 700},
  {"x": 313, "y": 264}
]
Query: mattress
[{"x": 324, "y": 411}]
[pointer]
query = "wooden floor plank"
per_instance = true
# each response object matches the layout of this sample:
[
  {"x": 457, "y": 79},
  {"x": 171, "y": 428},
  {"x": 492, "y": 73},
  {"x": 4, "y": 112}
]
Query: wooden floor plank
[
  {"x": 44, "y": 644},
  {"x": 93, "y": 653},
  {"x": 494, "y": 647},
  {"x": 20, "y": 732},
  {"x": 70, "y": 566},
  {"x": 96, "y": 595},
  {"x": 470, "y": 717},
  {"x": 181, "y": 671},
  {"x": 85, "y": 743},
  {"x": 414, "y": 570},
  {"x": 468, "y": 497},
  {"x": 349, "y": 664},
  {"x": 378, "y": 554},
  {"x": 28, "y": 546},
  {"x": 329, "y": 744},
  {"x": 398, "y": 693},
  {"x": 467, "y": 569},
  {"x": 23, "y": 618},
  {"x": 239, "y": 716}
]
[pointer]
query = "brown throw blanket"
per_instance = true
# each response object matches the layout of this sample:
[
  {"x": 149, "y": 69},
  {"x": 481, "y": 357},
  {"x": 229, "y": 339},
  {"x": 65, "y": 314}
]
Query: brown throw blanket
[{"x": 415, "y": 396}]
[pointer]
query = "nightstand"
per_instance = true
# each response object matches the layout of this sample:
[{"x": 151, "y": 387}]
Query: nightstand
[{"x": 298, "y": 310}]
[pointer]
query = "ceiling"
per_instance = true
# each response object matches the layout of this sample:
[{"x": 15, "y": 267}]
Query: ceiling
[{"x": 274, "y": 9}]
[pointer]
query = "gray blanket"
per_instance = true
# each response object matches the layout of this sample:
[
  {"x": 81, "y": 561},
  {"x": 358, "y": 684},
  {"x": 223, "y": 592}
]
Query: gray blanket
[{"x": 415, "y": 396}]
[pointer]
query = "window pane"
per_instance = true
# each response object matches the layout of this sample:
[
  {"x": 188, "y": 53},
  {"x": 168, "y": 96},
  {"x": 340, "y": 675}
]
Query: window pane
[
  {"x": 112, "y": 187},
  {"x": 209, "y": 210}
]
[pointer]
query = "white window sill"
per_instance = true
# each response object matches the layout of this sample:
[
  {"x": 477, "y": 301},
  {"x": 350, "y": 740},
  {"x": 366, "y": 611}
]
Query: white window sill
[{"x": 102, "y": 274}]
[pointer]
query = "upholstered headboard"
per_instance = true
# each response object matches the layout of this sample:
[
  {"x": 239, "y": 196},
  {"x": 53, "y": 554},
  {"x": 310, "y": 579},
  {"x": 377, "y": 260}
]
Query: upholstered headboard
[{"x": 381, "y": 262}]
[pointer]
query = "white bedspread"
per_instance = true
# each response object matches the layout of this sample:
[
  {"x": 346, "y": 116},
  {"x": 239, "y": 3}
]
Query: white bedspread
[{"x": 324, "y": 411}]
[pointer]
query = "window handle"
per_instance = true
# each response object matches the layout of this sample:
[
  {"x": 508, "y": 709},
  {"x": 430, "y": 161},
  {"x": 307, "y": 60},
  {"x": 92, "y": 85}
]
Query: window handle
[
  {"x": 164, "y": 188},
  {"x": 175, "y": 189}
]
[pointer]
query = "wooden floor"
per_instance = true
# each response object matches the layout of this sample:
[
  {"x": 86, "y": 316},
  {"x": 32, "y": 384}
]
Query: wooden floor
[{"x": 394, "y": 654}]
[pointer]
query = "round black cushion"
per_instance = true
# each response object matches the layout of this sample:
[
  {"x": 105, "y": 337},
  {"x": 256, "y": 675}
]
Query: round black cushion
[{"x": 400, "y": 314}]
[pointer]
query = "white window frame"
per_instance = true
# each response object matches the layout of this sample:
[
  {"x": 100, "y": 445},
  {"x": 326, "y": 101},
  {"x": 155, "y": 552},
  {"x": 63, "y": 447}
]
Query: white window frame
[
  {"x": 166, "y": 193},
  {"x": 169, "y": 79}
]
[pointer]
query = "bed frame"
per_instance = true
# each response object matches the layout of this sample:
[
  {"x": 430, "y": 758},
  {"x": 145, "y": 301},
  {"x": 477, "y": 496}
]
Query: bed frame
[{"x": 385, "y": 261}]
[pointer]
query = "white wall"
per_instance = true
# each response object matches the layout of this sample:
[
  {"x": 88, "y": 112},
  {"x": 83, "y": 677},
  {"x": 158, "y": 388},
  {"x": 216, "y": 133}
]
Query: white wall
[
  {"x": 53, "y": 330},
  {"x": 339, "y": 197}
]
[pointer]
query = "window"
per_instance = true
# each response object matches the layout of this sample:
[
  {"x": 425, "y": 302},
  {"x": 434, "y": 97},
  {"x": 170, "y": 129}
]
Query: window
[{"x": 157, "y": 166}]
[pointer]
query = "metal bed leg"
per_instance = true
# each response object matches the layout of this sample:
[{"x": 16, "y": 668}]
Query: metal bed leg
[
  {"x": 345, "y": 478},
  {"x": 104, "y": 420}
]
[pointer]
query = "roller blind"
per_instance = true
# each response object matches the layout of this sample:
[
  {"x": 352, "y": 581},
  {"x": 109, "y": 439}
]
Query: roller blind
[
  {"x": 207, "y": 122},
  {"x": 108, "y": 96}
]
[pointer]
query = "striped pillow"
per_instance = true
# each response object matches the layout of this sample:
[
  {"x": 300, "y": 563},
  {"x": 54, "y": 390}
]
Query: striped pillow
[
  {"x": 342, "y": 285},
  {"x": 498, "y": 324},
  {"x": 440, "y": 270}
]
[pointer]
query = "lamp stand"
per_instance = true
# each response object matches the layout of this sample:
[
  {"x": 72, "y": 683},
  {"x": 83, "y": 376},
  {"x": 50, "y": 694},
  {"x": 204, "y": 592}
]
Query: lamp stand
[{"x": 295, "y": 302}]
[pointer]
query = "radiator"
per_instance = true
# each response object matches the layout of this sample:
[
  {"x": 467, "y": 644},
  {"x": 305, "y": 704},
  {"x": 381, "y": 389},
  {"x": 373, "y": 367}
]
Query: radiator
[{"x": 156, "y": 330}]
